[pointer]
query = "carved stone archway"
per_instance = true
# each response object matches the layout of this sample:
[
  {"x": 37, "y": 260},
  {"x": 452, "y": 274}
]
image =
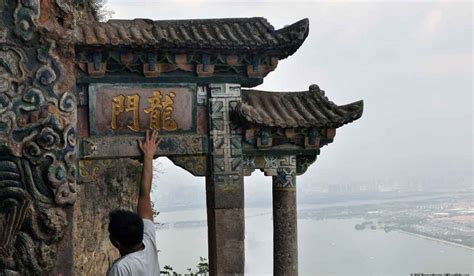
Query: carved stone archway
[{"x": 75, "y": 94}]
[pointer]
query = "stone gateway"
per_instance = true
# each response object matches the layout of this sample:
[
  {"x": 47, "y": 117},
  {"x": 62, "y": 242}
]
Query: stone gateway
[{"x": 76, "y": 93}]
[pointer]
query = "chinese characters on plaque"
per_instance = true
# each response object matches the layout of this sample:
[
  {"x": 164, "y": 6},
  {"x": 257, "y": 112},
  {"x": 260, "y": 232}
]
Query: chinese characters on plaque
[
  {"x": 131, "y": 108},
  {"x": 159, "y": 110}
]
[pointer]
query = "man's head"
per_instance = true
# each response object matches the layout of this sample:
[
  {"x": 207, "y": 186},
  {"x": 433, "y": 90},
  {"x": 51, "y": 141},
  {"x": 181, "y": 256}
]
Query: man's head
[{"x": 125, "y": 229}]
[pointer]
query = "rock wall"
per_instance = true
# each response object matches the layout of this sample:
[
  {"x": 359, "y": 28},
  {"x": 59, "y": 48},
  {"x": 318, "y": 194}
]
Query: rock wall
[
  {"x": 37, "y": 136},
  {"x": 103, "y": 185},
  {"x": 38, "y": 166}
]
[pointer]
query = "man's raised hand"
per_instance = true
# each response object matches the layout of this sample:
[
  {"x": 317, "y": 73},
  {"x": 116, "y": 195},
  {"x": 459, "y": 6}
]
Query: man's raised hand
[{"x": 148, "y": 146}]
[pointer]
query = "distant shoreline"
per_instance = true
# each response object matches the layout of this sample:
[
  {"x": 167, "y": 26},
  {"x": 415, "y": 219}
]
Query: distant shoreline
[{"x": 435, "y": 239}]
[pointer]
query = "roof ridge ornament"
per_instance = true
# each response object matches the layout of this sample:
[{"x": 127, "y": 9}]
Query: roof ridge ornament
[{"x": 315, "y": 88}]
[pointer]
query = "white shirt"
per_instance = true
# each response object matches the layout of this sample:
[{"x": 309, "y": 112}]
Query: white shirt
[{"x": 140, "y": 263}]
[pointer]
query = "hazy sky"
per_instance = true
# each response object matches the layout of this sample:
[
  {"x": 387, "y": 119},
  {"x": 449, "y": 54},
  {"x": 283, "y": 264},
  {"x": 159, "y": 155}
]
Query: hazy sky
[{"x": 411, "y": 63}]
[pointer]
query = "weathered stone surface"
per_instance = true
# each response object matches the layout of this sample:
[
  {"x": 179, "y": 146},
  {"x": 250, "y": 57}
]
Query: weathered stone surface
[
  {"x": 225, "y": 186},
  {"x": 104, "y": 185},
  {"x": 226, "y": 241},
  {"x": 37, "y": 135},
  {"x": 126, "y": 146},
  {"x": 285, "y": 234},
  {"x": 285, "y": 241}
]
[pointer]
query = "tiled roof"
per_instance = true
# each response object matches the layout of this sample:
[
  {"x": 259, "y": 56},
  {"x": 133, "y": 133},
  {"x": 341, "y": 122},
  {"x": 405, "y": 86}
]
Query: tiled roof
[
  {"x": 228, "y": 34},
  {"x": 296, "y": 109}
]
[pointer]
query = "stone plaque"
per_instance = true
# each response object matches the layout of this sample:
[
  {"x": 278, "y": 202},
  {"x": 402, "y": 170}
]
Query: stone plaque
[{"x": 134, "y": 108}]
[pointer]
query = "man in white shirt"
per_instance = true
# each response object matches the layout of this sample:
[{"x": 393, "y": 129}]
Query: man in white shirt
[{"x": 133, "y": 234}]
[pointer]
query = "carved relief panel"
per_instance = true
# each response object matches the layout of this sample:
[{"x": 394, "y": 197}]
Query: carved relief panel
[{"x": 37, "y": 136}]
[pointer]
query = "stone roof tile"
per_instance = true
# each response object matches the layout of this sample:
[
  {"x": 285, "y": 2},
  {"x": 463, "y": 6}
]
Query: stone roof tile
[
  {"x": 296, "y": 109},
  {"x": 228, "y": 34}
]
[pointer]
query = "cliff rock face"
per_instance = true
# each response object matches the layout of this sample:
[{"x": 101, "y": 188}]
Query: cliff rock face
[
  {"x": 38, "y": 122},
  {"x": 37, "y": 136},
  {"x": 103, "y": 185}
]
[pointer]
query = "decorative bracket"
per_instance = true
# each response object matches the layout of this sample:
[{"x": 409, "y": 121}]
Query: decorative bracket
[
  {"x": 96, "y": 68},
  {"x": 264, "y": 140}
]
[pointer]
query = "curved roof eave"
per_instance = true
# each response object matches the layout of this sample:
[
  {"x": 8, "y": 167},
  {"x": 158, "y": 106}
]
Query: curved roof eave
[{"x": 229, "y": 35}]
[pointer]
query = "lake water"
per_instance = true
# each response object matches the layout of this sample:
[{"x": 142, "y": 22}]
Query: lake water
[{"x": 326, "y": 247}]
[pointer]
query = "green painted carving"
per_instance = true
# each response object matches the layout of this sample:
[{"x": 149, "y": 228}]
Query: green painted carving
[
  {"x": 226, "y": 171},
  {"x": 294, "y": 141},
  {"x": 285, "y": 179},
  {"x": 195, "y": 164},
  {"x": 180, "y": 145},
  {"x": 126, "y": 146},
  {"x": 25, "y": 15},
  {"x": 303, "y": 162},
  {"x": 270, "y": 163},
  {"x": 163, "y": 66}
]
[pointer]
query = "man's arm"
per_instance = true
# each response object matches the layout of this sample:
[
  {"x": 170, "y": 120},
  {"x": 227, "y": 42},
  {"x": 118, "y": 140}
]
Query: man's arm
[{"x": 148, "y": 148}]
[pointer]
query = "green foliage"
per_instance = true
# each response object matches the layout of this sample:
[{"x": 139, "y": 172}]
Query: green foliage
[
  {"x": 155, "y": 210},
  {"x": 168, "y": 270},
  {"x": 202, "y": 269},
  {"x": 202, "y": 266}
]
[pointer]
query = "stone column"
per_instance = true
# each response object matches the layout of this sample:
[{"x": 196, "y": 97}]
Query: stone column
[
  {"x": 224, "y": 184},
  {"x": 285, "y": 241}
]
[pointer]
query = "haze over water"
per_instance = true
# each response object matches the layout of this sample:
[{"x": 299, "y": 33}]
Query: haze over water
[{"x": 326, "y": 247}]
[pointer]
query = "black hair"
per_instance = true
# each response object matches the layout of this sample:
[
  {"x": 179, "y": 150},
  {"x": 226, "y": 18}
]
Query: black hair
[{"x": 126, "y": 228}]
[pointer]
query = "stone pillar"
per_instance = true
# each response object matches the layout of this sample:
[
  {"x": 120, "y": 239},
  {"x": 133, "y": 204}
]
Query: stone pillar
[
  {"x": 285, "y": 241},
  {"x": 224, "y": 184}
]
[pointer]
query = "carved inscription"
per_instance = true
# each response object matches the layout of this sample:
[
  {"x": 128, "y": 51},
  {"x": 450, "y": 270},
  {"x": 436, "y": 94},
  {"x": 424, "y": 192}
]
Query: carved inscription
[
  {"x": 160, "y": 111},
  {"x": 121, "y": 109},
  {"x": 118, "y": 106}
]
